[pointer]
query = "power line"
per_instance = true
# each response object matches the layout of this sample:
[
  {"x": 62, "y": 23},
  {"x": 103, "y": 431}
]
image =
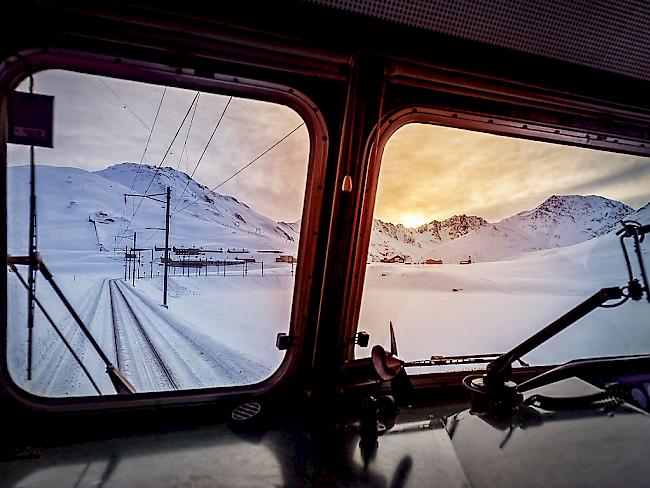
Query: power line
[
  {"x": 203, "y": 152},
  {"x": 161, "y": 163},
  {"x": 187, "y": 136},
  {"x": 146, "y": 146},
  {"x": 155, "y": 231},
  {"x": 124, "y": 104},
  {"x": 241, "y": 169}
]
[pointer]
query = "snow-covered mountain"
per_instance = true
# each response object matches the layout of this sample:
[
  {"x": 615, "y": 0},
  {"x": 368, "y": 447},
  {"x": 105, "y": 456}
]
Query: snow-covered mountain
[
  {"x": 194, "y": 201},
  {"x": 557, "y": 222},
  {"x": 389, "y": 239},
  {"x": 82, "y": 210}
]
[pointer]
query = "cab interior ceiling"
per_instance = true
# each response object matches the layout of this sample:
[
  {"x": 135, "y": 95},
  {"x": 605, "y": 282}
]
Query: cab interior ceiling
[
  {"x": 588, "y": 71},
  {"x": 490, "y": 51}
]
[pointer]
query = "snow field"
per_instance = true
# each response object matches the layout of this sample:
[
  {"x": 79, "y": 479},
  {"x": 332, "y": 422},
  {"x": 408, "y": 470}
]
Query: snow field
[
  {"x": 221, "y": 330},
  {"x": 499, "y": 304}
]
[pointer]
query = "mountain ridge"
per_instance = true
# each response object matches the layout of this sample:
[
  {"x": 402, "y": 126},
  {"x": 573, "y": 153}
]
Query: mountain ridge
[
  {"x": 560, "y": 220},
  {"x": 76, "y": 197},
  {"x": 84, "y": 210}
]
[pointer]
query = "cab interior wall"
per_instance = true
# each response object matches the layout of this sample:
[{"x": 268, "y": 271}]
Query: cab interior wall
[{"x": 345, "y": 75}]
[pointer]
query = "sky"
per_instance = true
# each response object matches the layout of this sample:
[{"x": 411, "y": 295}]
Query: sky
[
  {"x": 100, "y": 121},
  {"x": 428, "y": 172},
  {"x": 432, "y": 172}
]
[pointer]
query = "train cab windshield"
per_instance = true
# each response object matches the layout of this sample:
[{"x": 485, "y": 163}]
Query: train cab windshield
[
  {"x": 472, "y": 231},
  {"x": 170, "y": 219},
  {"x": 325, "y": 243}
]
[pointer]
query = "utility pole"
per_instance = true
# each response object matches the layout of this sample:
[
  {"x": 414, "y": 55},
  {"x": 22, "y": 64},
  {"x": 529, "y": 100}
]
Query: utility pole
[
  {"x": 169, "y": 192},
  {"x": 31, "y": 277},
  {"x": 167, "y": 202},
  {"x": 135, "y": 235},
  {"x": 151, "y": 272}
]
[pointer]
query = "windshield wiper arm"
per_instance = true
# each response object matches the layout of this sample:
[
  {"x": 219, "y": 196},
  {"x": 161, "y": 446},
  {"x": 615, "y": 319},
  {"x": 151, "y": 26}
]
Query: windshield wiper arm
[
  {"x": 495, "y": 392},
  {"x": 501, "y": 368},
  {"x": 120, "y": 383}
]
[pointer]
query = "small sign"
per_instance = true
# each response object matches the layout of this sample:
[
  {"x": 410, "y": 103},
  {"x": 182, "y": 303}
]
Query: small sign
[{"x": 31, "y": 119}]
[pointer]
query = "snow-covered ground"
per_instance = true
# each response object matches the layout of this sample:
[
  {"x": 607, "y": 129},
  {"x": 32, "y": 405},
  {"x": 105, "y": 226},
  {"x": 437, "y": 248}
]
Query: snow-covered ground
[
  {"x": 220, "y": 330},
  {"x": 499, "y": 304}
]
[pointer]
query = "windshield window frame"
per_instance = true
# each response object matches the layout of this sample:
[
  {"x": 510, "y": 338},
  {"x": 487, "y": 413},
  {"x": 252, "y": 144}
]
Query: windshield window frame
[
  {"x": 465, "y": 120},
  {"x": 15, "y": 70}
]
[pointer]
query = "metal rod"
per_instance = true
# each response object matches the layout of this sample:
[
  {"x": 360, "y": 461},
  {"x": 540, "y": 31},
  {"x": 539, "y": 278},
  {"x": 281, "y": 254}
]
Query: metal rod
[
  {"x": 135, "y": 236},
  {"x": 57, "y": 330},
  {"x": 644, "y": 276},
  {"x": 121, "y": 384},
  {"x": 500, "y": 367},
  {"x": 169, "y": 190},
  {"x": 31, "y": 277}
]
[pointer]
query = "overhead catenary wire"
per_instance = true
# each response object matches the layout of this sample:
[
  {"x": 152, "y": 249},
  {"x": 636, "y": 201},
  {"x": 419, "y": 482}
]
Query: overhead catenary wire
[
  {"x": 178, "y": 201},
  {"x": 187, "y": 113},
  {"x": 187, "y": 136},
  {"x": 144, "y": 152},
  {"x": 124, "y": 104},
  {"x": 277, "y": 143},
  {"x": 161, "y": 227}
]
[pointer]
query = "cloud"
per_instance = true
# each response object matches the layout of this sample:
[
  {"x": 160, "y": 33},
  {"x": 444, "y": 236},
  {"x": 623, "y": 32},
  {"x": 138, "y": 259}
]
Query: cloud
[
  {"x": 437, "y": 172},
  {"x": 428, "y": 172},
  {"x": 94, "y": 129}
]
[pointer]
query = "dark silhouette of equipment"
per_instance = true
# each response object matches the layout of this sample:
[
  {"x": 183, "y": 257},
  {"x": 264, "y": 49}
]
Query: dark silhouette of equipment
[{"x": 495, "y": 393}]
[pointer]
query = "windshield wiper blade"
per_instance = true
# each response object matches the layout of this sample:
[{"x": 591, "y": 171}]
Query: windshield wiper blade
[
  {"x": 120, "y": 383},
  {"x": 440, "y": 360}
]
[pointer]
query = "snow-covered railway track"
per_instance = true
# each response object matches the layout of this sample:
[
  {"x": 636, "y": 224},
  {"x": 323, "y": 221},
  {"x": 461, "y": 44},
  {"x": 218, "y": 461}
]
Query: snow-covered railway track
[
  {"x": 56, "y": 367},
  {"x": 117, "y": 341},
  {"x": 151, "y": 358}
]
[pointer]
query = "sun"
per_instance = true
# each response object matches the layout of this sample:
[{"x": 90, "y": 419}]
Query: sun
[{"x": 413, "y": 220}]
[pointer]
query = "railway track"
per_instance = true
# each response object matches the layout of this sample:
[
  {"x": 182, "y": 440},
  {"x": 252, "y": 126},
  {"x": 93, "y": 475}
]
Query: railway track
[
  {"x": 119, "y": 306},
  {"x": 52, "y": 371},
  {"x": 117, "y": 341}
]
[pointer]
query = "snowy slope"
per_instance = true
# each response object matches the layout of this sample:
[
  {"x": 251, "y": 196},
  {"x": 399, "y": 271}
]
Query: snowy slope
[
  {"x": 389, "y": 239},
  {"x": 192, "y": 201},
  {"x": 558, "y": 221},
  {"x": 66, "y": 197},
  {"x": 80, "y": 210},
  {"x": 490, "y": 307}
]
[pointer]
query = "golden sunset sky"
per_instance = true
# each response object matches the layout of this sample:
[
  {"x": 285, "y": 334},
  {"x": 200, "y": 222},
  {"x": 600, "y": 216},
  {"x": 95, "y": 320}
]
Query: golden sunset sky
[{"x": 432, "y": 172}]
